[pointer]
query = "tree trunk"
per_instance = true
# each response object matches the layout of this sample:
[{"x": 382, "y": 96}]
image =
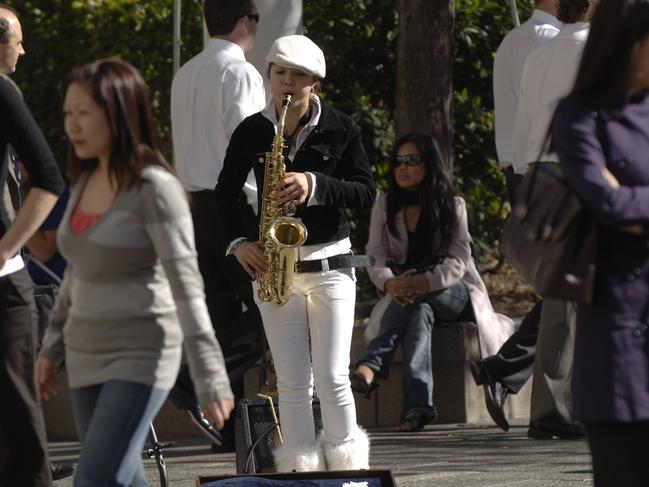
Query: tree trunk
[{"x": 424, "y": 69}]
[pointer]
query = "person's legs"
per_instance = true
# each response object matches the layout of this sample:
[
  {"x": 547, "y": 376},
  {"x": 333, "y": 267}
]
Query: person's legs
[
  {"x": 551, "y": 411},
  {"x": 227, "y": 286},
  {"x": 331, "y": 297},
  {"x": 113, "y": 420},
  {"x": 620, "y": 452},
  {"x": 417, "y": 373},
  {"x": 381, "y": 349},
  {"x": 512, "y": 366},
  {"x": 444, "y": 306},
  {"x": 513, "y": 181},
  {"x": 23, "y": 443},
  {"x": 288, "y": 336}
]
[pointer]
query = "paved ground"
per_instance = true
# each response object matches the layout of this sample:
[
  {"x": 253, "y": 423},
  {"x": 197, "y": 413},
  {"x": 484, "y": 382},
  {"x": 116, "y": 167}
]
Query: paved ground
[{"x": 440, "y": 456}]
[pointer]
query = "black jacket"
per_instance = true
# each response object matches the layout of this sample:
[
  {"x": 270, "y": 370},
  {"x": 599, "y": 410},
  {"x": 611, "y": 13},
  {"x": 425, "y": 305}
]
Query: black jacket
[
  {"x": 18, "y": 129},
  {"x": 333, "y": 152}
]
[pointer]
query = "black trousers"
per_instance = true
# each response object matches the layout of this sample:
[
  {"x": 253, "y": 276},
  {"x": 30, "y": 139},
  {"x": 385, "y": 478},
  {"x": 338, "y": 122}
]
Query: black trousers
[
  {"x": 513, "y": 180},
  {"x": 513, "y": 365},
  {"x": 620, "y": 452},
  {"x": 23, "y": 441},
  {"x": 227, "y": 286}
]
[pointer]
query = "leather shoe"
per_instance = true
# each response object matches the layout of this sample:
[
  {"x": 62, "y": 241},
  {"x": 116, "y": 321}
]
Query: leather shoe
[
  {"x": 184, "y": 400},
  {"x": 495, "y": 394},
  {"x": 548, "y": 428},
  {"x": 62, "y": 470}
]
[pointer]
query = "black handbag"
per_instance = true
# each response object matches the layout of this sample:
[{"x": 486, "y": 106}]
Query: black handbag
[{"x": 550, "y": 238}]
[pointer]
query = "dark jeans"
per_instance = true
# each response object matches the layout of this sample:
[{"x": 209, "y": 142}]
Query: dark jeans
[
  {"x": 113, "y": 420},
  {"x": 23, "y": 444},
  {"x": 412, "y": 325},
  {"x": 227, "y": 286},
  {"x": 620, "y": 452}
]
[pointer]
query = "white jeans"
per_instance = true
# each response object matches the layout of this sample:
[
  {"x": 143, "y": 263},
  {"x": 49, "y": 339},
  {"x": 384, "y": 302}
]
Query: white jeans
[{"x": 322, "y": 308}]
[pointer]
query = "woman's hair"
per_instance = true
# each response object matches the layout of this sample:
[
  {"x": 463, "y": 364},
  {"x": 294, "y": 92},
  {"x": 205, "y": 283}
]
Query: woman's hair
[
  {"x": 118, "y": 88},
  {"x": 606, "y": 64},
  {"x": 435, "y": 194},
  {"x": 571, "y": 11}
]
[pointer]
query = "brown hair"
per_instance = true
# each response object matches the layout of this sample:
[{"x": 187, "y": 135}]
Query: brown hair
[
  {"x": 119, "y": 89},
  {"x": 606, "y": 64}
]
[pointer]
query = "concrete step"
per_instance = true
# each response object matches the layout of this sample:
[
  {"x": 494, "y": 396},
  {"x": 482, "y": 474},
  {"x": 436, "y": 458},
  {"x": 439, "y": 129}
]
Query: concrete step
[{"x": 457, "y": 398}]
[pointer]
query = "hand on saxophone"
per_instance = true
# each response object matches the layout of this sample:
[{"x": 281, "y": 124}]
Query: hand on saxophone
[
  {"x": 295, "y": 189},
  {"x": 251, "y": 257}
]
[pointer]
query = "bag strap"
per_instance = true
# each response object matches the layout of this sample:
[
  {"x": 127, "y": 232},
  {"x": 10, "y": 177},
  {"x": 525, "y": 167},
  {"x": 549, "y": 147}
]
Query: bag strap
[{"x": 547, "y": 146}]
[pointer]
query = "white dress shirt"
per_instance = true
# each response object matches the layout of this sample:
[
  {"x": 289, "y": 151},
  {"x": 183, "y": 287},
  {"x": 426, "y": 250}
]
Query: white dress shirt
[
  {"x": 548, "y": 76},
  {"x": 508, "y": 69},
  {"x": 210, "y": 95}
]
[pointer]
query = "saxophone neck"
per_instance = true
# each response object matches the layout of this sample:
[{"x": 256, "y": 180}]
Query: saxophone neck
[{"x": 286, "y": 102}]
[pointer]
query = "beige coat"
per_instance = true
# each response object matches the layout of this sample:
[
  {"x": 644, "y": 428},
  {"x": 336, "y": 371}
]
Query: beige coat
[{"x": 493, "y": 328}]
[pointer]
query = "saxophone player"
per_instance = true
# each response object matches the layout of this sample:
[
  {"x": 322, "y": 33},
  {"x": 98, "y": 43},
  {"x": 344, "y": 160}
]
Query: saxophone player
[{"x": 327, "y": 170}]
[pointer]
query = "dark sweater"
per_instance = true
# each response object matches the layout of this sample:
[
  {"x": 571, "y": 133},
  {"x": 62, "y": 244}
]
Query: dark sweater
[
  {"x": 333, "y": 152},
  {"x": 19, "y": 130}
]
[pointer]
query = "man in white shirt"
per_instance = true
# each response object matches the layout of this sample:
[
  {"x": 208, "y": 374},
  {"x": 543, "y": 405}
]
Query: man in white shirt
[
  {"x": 507, "y": 371},
  {"x": 210, "y": 95},
  {"x": 508, "y": 69},
  {"x": 544, "y": 341},
  {"x": 548, "y": 76}
]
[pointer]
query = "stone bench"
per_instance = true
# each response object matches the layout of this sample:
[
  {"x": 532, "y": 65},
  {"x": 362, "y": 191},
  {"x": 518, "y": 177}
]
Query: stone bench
[{"x": 457, "y": 398}]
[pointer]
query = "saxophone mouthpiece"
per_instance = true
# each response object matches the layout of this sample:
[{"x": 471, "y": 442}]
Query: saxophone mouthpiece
[{"x": 287, "y": 100}]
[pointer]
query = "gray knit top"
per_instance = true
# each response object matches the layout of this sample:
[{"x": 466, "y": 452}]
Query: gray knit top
[{"x": 131, "y": 291}]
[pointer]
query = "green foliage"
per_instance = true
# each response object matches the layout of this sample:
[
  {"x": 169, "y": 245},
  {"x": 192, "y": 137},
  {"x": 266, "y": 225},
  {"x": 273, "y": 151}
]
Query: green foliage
[
  {"x": 480, "y": 25},
  {"x": 359, "y": 40},
  {"x": 61, "y": 33}
]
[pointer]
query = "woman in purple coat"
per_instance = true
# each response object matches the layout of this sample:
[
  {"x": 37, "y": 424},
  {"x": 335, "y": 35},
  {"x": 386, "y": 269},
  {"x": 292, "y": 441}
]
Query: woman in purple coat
[{"x": 601, "y": 134}]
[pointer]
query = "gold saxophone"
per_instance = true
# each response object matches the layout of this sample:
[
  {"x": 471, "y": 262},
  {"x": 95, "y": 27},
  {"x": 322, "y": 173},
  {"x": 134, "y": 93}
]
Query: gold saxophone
[{"x": 279, "y": 232}]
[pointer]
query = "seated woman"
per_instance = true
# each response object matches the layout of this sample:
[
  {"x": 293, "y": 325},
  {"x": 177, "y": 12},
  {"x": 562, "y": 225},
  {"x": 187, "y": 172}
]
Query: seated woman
[{"x": 420, "y": 238}]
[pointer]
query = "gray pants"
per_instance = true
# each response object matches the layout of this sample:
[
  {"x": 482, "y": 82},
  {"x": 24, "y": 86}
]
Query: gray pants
[{"x": 551, "y": 385}]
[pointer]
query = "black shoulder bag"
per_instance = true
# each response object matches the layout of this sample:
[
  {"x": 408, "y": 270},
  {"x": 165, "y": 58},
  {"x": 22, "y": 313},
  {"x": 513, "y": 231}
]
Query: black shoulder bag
[{"x": 550, "y": 238}]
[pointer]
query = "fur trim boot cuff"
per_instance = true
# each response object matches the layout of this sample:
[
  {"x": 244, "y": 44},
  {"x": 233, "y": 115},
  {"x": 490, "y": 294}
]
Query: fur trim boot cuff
[
  {"x": 353, "y": 455},
  {"x": 299, "y": 460}
]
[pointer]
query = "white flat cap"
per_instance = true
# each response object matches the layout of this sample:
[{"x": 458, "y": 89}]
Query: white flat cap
[{"x": 298, "y": 52}]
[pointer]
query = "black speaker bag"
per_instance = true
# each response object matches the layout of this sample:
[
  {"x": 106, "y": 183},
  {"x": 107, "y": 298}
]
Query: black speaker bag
[{"x": 256, "y": 434}]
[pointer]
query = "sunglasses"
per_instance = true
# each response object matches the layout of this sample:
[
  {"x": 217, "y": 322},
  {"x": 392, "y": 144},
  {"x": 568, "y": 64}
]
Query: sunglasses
[
  {"x": 409, "y": 160},
  {"x": 254, "y": 17}
]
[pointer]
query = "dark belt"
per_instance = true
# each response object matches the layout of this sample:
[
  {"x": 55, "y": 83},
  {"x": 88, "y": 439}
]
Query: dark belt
[{"x": 342, "y": 261}]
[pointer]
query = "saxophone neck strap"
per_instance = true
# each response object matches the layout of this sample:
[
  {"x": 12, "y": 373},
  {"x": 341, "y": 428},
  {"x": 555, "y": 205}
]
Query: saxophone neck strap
[{"x": 342, "y": 261}]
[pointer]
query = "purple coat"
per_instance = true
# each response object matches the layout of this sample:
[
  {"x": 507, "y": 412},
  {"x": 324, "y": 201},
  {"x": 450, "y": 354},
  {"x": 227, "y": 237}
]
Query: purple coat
[
  {"x": 611, "y": 361},
  {"x": 493, "y": 328}
]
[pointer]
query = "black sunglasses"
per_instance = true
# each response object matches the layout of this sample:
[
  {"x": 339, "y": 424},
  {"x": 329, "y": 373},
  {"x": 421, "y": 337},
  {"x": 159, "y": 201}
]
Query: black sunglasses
[
  {"x": 408, "y": 160},
  {"x": 254, "y": 17}
]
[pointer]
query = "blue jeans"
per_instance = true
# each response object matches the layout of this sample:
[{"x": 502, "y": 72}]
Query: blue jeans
[
  {"x": 412, "y": 325},
  {"x": 112, "y": 420}
]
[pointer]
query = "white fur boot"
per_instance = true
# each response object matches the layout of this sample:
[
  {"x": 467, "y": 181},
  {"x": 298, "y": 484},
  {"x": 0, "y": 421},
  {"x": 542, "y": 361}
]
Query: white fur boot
[
  {"x": 353, "y": 455},
  {"x": 299, "y": 460}
]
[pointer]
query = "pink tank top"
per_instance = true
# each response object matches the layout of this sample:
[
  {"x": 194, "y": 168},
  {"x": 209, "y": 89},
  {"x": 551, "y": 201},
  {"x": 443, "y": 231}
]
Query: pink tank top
[{"x": 81, "y": 221}]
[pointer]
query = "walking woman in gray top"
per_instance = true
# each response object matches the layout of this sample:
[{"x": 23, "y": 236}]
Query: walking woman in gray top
[{"x": 132, "y": 293}]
